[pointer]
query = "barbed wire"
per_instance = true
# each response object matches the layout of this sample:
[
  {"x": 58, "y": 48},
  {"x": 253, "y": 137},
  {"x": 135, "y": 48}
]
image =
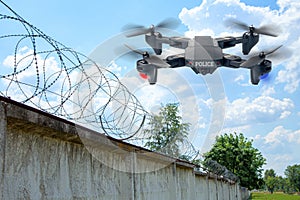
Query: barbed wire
[
  {"x": 42, "y": 72},
  {"x": 220, "y": 170}
]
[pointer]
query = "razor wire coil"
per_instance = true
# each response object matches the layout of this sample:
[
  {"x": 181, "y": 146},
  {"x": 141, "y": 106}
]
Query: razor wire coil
[
  {"x": 44, "y": 73},
  {"x": 69, "y": 89}
]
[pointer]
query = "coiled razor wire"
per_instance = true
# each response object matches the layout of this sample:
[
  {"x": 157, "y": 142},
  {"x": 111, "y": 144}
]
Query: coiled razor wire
[
  {"x": 220, "y": 170},
  {"x": 43, "y": 73}
]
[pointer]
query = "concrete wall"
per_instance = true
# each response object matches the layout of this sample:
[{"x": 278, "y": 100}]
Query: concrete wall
[{"x": 45, "y": 157}]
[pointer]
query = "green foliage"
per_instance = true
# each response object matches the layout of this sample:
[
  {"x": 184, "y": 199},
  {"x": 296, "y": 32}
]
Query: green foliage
[
  {"x": 190, "y": 159},
  {"x": 271, "y": 180},
  {"x": 287, "y": 187},
  {"x": 293, "y": 175},
  {"x": 271, "y": 183},
  {"x": 279, "y": 184},
  {"x": 269, "y": 173},
  {"x": 238, "y": 155},
  {"x": 166, "y": 131},
  {"x": 274, "y": 196}
]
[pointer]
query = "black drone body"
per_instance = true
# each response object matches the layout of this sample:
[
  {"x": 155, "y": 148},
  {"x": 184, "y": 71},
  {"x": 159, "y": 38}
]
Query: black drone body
[{"x": 203, "y": 54}]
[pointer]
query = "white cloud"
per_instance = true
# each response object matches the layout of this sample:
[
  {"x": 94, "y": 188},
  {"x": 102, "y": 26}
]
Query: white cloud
[
  {"x": 115, "y": 68},
  {"x": 268, "y": 90},
  {"x": 171, "y": 87},
  {"x": 276, "y": 135},
  {"x": 242, "y": 78},
  {"x": 291, "y": 73},
  {"x": 216, "y": 122},
  {"x": 243, "y": 114},
  {"x": 285, "y": 114},
  {"x": 210, "y": 14},
  {"x": 208, "y": 19},
  {"x": 47, "y": 83},
  {"x": 281, "y": 148},
  {"x": 280, "y": 135},
  {"x": 237, "y": 129},
  {"x": 279, "y": 162},
  {"x": 239, "y": 78},
  {"x": 259, "y": 110},
  {"x": 31, "y": 73},
  {"x": 256, "y": 137},
  {"x": 25, "y": 62}
]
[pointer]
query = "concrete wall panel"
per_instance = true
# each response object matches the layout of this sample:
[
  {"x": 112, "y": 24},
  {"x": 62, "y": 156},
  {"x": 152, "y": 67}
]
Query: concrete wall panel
[{"x": 44, "y": 157}]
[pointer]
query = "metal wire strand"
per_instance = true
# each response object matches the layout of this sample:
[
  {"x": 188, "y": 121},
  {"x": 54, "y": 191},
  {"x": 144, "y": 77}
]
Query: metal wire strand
[{"x": 43, "y": 73}]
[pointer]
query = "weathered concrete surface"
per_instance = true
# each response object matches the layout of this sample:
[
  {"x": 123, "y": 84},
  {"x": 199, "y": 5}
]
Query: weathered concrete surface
[
  {"x": 45, "y": 157},
  {"x": 3, "y": 131}
]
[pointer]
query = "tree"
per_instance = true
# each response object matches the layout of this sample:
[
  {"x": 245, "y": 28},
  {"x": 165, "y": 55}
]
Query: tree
[
  {"x": 167, "y": 131},
  {"x": 271, "y": 183},
  {"x": 287, "y": 186},
  {"x": 271, "y": 180},
  {"x": 281, "y": 184},
  {"x": 293, "y": 175},
  {"x": 269, "y": 173},
  {"x": 237, "y": 154},
  {"x": 278, "y": 183}
]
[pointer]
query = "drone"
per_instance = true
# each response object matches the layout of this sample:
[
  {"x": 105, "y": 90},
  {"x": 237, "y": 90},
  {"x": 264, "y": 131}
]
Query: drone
[{"x": 203, "y": 54}]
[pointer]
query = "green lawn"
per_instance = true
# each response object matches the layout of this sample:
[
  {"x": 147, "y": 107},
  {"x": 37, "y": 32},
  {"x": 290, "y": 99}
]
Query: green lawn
[{"x": 275, "y": 196}]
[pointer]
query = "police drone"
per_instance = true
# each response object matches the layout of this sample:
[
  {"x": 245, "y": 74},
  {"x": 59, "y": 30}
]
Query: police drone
[{"x": 203, "y": 54}]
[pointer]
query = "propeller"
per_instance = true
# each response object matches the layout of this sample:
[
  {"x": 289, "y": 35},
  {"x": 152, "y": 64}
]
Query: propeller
[
  {"x": 147, "y": 67},
  {"x": 269, "y": 30},
  {"x": 149, "y": 58},
  {"x": 135, "y": 30},
  {"x": 254, "y": 60}
]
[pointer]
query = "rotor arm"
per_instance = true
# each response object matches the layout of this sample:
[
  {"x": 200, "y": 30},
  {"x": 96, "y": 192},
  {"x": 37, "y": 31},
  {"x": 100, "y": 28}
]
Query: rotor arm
[
  {"x": 232, "y": 61},
  {"x": 248, "y": 40},
  {"x": 256, "y": 70},
  {"x": 177, "y": 42},
  {"x": 176, "y": 60},
  {"x": 227, "y": 42},
  {"x": 156, "y": 40}
]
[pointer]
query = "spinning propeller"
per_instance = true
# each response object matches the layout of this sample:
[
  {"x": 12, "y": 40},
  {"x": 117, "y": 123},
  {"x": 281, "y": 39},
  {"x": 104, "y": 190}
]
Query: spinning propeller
[
  {"x": 254, "y": 60},
  {"x": 269, "y": 30},
  {"x": 148, "y": 66},
  {"x": 135, "y": 30},
  {"x": 149, "y": 58}
]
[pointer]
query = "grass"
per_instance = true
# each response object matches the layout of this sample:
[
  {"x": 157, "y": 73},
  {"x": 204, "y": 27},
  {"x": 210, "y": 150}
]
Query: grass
[{"x": 274, "y": 196}]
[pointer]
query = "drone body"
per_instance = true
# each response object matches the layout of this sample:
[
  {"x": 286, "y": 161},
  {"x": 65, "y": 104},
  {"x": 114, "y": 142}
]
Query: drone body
[{"x": 203, "y": 54}]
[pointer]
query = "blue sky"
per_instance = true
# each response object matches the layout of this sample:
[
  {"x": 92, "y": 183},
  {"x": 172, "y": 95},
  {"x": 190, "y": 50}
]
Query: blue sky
[{"x": 268, "y": 113}]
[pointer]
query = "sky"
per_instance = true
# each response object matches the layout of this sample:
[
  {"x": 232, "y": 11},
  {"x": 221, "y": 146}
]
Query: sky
[{"x": 224, "y": 102}]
